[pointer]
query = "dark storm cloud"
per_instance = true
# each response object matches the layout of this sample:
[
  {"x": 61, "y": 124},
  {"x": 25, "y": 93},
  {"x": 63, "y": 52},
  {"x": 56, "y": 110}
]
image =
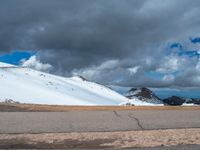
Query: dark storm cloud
[{"x": 77, "y": 34}]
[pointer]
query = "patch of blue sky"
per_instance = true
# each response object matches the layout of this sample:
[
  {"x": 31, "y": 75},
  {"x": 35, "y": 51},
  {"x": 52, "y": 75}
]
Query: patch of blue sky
[
  {"x": 189, "y": 53},
  {"x": 173, "y": 48},
  {"x": 181, "y": 50},
  {"x": 172, "y": 92},
  {"x": 154, "y": 75},
  {"x": 195, "y": 40},
  {"x": 16, "y": 56},
  {"x": 176, "y": 45}
]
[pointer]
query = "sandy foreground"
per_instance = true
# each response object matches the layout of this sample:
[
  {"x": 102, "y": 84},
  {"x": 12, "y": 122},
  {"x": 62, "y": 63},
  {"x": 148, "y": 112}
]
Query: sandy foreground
[{"x": 147, "y": 138}]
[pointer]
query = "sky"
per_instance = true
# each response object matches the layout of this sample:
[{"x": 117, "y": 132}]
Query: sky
[{"x": 129, "y": 43}]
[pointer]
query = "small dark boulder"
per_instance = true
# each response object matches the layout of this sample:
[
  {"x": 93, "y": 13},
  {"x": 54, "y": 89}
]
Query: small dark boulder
[
  {"x": 83, "y": 78},
  {"x": 174, "y": 101}
]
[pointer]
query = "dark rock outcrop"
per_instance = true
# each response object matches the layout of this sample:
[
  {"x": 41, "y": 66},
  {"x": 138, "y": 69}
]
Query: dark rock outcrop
[
  {"x": 174, "y": 101},
  {"x": 82, "y": 78},
  {"x": 144, "y": 94}
]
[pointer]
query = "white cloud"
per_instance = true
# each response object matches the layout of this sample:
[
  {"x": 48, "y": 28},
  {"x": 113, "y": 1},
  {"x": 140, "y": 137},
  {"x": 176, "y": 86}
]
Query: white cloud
[
  {"x": 133, "y": 70},
  {"x": 109, "y": 64},
  {"x": 92, "y": 71},
  {"x": 170, "y": 64},
  {"x": 34, "y": 63},
  {"x": 107, "y": 72},
  {"x": 168, "y": 77}
]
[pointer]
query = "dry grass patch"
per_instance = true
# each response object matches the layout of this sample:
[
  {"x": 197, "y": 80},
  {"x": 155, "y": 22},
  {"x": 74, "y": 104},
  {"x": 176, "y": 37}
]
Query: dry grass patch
[{"x": 62, "y": 108}]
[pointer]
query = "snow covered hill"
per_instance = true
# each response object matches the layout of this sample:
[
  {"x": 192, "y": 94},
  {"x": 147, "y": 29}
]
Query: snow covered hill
[{"x": 26, "y": 85}]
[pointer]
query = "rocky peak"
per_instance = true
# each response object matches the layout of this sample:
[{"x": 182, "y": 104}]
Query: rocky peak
[{"x": 142, "y": 92}]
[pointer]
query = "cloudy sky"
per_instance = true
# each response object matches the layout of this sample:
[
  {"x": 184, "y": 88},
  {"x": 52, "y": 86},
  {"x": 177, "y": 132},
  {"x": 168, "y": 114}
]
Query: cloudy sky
[{"x": 152, "y": 43}]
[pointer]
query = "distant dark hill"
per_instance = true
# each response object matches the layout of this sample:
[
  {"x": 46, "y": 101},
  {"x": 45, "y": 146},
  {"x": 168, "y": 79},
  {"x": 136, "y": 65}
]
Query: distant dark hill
[
  {"x": 146, "y": 95},
  {"x": 174, "y": 100},
  {"x": 193, "y": 101}
]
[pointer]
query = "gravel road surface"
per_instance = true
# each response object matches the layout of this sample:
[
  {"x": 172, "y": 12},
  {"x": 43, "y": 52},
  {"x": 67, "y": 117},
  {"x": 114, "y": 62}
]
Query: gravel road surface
[{"x": 97, "y": 121}]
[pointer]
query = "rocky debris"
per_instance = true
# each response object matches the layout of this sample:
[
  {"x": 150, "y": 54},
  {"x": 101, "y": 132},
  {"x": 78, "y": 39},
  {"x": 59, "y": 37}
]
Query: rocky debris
[
  {"x": 174, "y": 100},
  {"x": 144, "y": 94},
  {"x": 10, "y": 101},
  {"x": 127, "y": 104}
]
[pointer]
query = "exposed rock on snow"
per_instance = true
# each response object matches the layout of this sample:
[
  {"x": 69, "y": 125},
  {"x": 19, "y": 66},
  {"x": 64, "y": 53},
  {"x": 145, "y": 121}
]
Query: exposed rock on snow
[{"x": 143, "y": 96}]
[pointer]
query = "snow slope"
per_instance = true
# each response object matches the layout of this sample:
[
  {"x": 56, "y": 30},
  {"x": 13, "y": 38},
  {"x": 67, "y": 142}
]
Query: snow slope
[
  {"x": 137, "y": 102},
  {"x": 26, "y": 85}
]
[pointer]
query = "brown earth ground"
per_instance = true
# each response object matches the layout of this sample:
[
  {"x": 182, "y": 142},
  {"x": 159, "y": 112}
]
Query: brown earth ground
[
  {"x": 91, "y": 140},
  {"x": 61, "y": 108}
]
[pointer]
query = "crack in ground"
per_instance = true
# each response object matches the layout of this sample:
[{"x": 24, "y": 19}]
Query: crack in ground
[
  {"x": 130, "y": 116},
  {"x": 137, "y": 120},
  {"x": 116, "y": 114}
]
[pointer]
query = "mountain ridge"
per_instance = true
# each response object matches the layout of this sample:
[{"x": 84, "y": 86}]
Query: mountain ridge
[
  {"x": 147, "y": 96},
  {"x": 26, "y": 85}
]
